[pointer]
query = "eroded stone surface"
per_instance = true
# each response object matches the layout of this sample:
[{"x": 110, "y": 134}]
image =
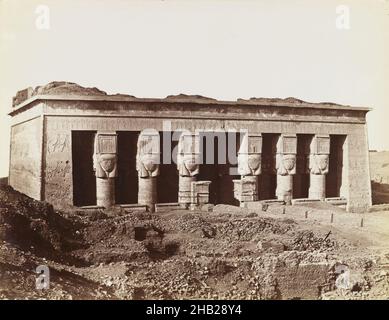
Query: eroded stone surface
[{"x": 45, "y": 126}]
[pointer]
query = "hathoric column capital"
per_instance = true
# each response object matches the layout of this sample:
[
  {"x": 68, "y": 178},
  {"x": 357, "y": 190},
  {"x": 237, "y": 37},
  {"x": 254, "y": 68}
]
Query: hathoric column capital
[
  {"x": 188, "y": 154},
  {"x": 249, "y": 155},
  {"x": 105, "y": 155},
  {"x": 286, "y": 154},
  {"x": 318, "y": 160},
  {"x": 148, "y": 154}
]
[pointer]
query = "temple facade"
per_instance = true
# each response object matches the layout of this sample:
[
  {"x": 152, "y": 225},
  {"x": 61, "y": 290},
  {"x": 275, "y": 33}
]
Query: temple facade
[{"x": 80, "y": 147}]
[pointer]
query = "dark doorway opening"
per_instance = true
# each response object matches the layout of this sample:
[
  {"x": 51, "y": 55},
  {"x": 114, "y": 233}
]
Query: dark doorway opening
[
  {"x": 167, "y": 181},
  {"x": 126, "y": 184},
  {"x": 268, "y": 178},
  {"x": 219, "y": 164},
  {"x": 335, "y": 176},
  {"x": 84, "y": 179},
  {"x": 301, "y": 179}
]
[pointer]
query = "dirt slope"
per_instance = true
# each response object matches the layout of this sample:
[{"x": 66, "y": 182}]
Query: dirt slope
[{"x": 229, "y": 253}]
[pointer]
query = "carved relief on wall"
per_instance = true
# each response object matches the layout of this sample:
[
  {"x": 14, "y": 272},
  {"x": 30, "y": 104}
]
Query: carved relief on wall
[
  {"x": 320, "y": 144},
  {"x": 148, "y": 154},
  {"x": 105, "y": 157},
  {"x": 188, "y": 155},
  {"x": 59, "y": 169},
  {"x": 58, "y": 143},
  {"x": 287, "y": 144},
  {"x": 25, "y": 150}
]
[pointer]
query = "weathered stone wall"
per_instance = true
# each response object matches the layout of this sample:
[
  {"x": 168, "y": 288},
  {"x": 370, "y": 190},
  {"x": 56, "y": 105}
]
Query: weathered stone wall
[
  {"x": 58, "y": 188},
  {"x": 61, "y": 117},
  {"x": 25, "y": 157},
  {"x": 302, "y": 281},
  {"x": 357, "y": 186}
]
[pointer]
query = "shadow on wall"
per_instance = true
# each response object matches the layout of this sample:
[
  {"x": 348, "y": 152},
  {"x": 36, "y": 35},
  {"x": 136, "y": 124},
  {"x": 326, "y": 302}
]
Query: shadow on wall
[
  {"x": 4, "y": 181},
  {"x": 380, "y": 192}
]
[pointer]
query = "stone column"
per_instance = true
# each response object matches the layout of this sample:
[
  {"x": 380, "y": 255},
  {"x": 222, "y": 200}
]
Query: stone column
[
  {"x": 318, "y": 166},
  {"x": 147, "y": 164},
  {"x": 188, "y": 161},
  {"x": 286, "y": 166},
  {"x": 105, "y": 166},
  {"x": 249, "y": 167}
]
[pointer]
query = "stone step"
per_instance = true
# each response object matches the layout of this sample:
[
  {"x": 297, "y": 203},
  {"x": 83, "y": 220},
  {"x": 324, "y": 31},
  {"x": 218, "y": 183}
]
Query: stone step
[
  {"x": 133, "y": 208},
  {"x": 90, "y": 211},
  {"x": 159, "y": 207},
  {"x": 273, "y": 201},
  {"x": 92, "y": 208},
  {"x": 336, "y": 201},
  {"x": 304, "y": 200}
]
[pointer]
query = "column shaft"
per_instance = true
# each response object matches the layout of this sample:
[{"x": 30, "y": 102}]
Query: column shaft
[
  {"x": 147, "y": 193},
  {"x": 105, "y": 192},
  {"x": 317, "y": 187},
  {"x": 284, "y": 189},
  {"x": 318, "y": 166}
]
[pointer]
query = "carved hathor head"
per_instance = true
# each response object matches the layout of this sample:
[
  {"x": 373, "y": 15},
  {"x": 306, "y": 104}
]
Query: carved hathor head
[
  {"x": 249, "y": 155},
  {"x": 319, "y": 154},
  {"x": 148, "y": 154},
  {"x": 105, "y": 155},
  {"x": 188, "y": 155}
]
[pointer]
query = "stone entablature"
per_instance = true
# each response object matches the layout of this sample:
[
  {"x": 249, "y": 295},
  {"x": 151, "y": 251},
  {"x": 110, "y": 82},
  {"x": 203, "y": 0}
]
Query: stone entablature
[{"x": 177, "y": 109}]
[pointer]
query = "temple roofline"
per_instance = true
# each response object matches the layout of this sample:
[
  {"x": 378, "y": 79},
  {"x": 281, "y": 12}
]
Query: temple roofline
[{"x": 185, "y": 100}]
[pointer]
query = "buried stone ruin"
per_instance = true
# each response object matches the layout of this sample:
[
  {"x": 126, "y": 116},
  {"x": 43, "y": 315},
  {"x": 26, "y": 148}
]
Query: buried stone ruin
[{"x": 79, "y": 147}]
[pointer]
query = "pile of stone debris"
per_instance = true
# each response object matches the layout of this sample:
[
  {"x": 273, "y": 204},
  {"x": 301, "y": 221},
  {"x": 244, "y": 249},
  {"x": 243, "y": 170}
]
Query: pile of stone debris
[{"x": 231, "y": 253}]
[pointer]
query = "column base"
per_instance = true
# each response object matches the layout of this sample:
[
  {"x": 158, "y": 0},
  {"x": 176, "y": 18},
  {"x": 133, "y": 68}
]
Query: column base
[
  {"x": 246, "y": 189},
  {"x": 105, "y": 192},
  {"x": 184, "y": 190}
]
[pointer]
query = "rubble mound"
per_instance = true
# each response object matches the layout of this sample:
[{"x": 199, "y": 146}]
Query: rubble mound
[
  {"x": 289, "y": 100},
  {"x": 68, "y": 88},
  {"x": 35, "y": 226},
  {"x": 186, "y": 97},
  {"x": 230, "y": 253}
]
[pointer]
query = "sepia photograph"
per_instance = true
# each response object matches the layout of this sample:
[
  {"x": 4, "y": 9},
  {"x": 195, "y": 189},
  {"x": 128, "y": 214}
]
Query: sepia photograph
[{"x": 192, "y": 150}]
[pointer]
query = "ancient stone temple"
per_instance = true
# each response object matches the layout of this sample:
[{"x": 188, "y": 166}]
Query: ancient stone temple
[{"x": 79, "y": 147}]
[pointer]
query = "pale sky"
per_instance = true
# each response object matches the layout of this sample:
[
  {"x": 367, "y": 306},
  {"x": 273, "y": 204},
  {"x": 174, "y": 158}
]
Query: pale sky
[{"x": 221, "y": 49}]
